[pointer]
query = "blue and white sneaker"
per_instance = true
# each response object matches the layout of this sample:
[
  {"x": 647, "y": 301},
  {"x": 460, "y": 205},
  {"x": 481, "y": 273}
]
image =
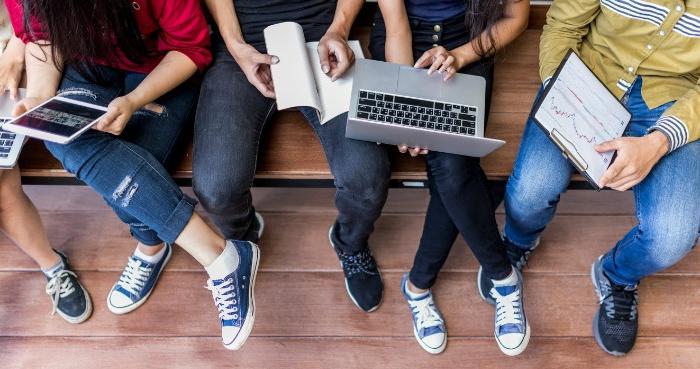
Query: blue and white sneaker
[
  {"x": 137, "y": 281},
  {"x": 512, "y": 330},
  {"x": 233, "y": 294},
  {"x": 428, "y": 324}
]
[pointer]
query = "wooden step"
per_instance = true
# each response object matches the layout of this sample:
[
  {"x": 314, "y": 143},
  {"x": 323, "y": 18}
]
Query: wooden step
[{"x": 310, "y": 304}]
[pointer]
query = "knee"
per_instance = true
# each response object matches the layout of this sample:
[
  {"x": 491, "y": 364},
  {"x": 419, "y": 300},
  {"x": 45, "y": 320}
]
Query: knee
[
  {"x": 367, "y": 181},
  {"x": 668, "y": 242},
  {"x": 217, "y": 192},
  {"x": 525, "y": 196},
  {"x": 452, "y": 174}
]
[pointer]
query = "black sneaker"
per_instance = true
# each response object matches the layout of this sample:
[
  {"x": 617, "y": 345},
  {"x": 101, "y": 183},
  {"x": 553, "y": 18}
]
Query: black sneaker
[
  {"x": 615, "y": 324},
  {"x": 362, "y": 278},
  {"x": 518, "y": 258},
  {"x": 69, "y": 297}
]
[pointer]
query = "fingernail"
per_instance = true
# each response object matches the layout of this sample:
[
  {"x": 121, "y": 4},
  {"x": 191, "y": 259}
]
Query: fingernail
[
  {"x": 326, "y": 69},
  {"x": 275, "y": 60}
]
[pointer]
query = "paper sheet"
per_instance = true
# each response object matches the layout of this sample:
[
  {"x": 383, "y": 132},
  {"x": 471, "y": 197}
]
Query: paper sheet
[{"x": 580, "y": 113}]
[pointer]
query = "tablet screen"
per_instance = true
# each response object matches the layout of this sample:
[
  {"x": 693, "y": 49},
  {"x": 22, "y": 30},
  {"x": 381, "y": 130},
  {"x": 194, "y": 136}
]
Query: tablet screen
[{"x": 60, "y": 117}]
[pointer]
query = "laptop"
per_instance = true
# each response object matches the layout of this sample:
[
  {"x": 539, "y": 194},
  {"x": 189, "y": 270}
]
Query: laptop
[
  {"x": 402, "y": 105},
  {"x": 10, "y": 143}
]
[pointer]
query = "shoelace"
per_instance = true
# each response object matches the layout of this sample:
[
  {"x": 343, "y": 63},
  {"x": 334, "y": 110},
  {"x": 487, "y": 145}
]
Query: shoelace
[
  {"x": 621, "y": 303},
  {"x": 361, "y": 262},
  {"x": 426, "y": 314},
  {"x": 508, "y": 310},
  {"x": 224, "y": 298},
  {"x": 518, "y": 257},
  {"x": 60, "y": 286},
  {"x": 134, "y": 276}
]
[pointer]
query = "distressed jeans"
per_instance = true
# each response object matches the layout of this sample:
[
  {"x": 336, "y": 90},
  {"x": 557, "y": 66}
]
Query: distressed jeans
[
  {"x": 667, "y": 200},
  {"x": 130, "y": 170}
]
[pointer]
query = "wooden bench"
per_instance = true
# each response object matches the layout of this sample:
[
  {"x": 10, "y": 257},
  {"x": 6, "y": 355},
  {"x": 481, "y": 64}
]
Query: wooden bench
[{"x": 291, "y": 155}]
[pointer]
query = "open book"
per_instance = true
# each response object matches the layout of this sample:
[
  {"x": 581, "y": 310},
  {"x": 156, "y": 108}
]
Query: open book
[{"x": 298, "y": 78}]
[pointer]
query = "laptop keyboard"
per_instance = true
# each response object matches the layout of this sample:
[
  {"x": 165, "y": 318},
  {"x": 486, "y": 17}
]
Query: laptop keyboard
[
  {"x": 7, "y": 139},
  {"x": 426, "y": 114}
]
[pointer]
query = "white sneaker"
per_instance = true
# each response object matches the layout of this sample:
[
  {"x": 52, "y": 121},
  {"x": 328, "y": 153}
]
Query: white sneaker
[{"x": 428, "y": 324}]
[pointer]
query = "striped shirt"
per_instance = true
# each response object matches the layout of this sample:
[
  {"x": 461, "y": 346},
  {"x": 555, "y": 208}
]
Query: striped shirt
[{"x": 620, "y": 40}]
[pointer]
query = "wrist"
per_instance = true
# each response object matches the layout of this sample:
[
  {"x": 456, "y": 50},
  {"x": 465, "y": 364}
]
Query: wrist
[
  {"x": 236, "y": 48},
  {"x": 338, "y": 30},
  {"x": 659, "y": 142},
  {"x": 462, "y": 58}
]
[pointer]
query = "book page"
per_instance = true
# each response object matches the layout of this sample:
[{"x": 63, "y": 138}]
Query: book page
[
  {"x": 292, "y": 76},
  {"x": 334, "y": 96},
  {"x": 580, "y": 113}
]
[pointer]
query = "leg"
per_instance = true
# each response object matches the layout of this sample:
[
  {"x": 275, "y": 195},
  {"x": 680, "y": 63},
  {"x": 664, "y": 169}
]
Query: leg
[{"x": 228, "y": 125}]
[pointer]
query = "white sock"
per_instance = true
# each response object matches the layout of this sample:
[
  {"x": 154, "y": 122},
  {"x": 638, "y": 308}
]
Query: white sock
[
  {"x": 224, "y": 264},
  {"x": 413, "y": 295},
  {"x": 511, "y": 280},
  {"x": 51, "y": 271},
  {"x": 150, "y": 258}
]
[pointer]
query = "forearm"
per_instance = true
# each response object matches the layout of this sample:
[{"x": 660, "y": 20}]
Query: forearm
[
  {"x": 398, "y": 46},
  {"x": 43, "y": 77},
  {"x": 224, "y": 13},
  {"x": 345, "y": 13},
  {"x": 173, "y": 70},
  {"x": 14, "y": 52}
]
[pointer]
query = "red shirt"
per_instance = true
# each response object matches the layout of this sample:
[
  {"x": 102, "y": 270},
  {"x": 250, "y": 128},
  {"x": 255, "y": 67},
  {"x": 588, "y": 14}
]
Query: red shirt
[{"x": 165, "y": 25}]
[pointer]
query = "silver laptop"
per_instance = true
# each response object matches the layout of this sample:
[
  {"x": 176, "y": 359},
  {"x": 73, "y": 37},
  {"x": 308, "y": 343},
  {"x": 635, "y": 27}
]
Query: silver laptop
[
  {"x": 10, "y": 143},
  {"x": 401, "y": 105}
]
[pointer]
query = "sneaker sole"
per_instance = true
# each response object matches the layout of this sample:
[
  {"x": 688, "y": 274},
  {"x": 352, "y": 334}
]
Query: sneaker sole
[
  {"x": 521, "y": 348},
  {"x": 596, "y": 331},
  {"x": 247, "y": 327},
  {"x": 127, "y": 309},
  {"x": 261, "y": 221},
  {"x": 85, "y": 315},
  {"x": 347, "y": 287},
  {"x": 488, "y": 299},
  {"x": 434, "y": 351}
]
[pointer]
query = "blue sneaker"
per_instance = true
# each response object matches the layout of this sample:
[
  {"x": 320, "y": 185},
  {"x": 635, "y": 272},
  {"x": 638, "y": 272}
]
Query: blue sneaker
[
  {"x": 428, "y": 324},
  {"x": 233, "y": 294},
  {"x": 512, "y": 330},
  {"x": 137, "y": 281}
]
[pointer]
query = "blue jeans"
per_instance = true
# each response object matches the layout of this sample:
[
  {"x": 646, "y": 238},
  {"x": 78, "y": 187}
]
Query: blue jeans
[
  {"x": 229, "y": 123},
  {"x": 667, "y": 200},
  {"x": 129, "y": 170}
]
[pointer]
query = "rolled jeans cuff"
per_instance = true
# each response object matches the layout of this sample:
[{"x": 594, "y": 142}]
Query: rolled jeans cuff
[{"x": 178, "y": 219}]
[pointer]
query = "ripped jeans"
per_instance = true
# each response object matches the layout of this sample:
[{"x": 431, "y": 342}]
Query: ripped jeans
[{"x": 130, "y": 171}]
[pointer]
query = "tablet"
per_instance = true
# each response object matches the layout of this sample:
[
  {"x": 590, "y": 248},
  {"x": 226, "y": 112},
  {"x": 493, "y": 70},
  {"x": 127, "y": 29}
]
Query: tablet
[{"x": 59, "y": 120}]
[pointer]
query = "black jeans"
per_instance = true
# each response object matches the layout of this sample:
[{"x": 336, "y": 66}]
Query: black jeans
[
  {"x": 460, "y": 200},
  {"x": 230, "y": 119}
]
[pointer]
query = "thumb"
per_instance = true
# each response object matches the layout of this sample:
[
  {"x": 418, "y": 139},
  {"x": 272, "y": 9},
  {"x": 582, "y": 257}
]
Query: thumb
[
  {"x": 324, "y": 57},
  {"x": 609, "y": 146},
  {"x": 265, "y": 59},
  {"x": 19, "y": 109}
]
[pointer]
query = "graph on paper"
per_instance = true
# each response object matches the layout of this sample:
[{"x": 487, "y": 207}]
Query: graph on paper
[{"x": 579, "y": 113}]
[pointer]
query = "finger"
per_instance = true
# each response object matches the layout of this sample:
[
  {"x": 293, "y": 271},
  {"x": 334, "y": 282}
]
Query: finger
[
  {"x": 19, "y": 109},
  {"x": 422, "y": 62},
  {"x": 264, "y": 88},
  {"x": 611, "y": 175},
  {"x": 621, "y": 180},
  {"x": 343, "y": 55},
  {"x": 108, "y": 119},
  {"x": 609, "y": 146},
  {"x": 424, "y": 152},
  {"x": 437, "y": 61},
  {"x": 13, "y": 87},
  {"x": 446, "y": 64},
  {"x": 403, "y": 149},
  {"x": 451, "y": 71},
  {"x": 415, "y": 151},
  {"x": 626, "y": 184},
  {"x": 265, "y": 59},
  {"x": 324, "y": 58}
]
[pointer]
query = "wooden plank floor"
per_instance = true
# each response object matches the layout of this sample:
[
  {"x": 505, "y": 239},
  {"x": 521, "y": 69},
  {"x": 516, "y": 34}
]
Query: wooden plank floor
[{"x": 305, "y": 319}]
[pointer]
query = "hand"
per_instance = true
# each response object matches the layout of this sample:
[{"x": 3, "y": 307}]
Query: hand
[
  {"x": 256, "y": 67},
  {"x": 636, "y": 156},
  {"x": 27, "y": 104},
  {"x": 11, "y": 72},
  {"x": 335, "y": 55},
  {"x": 441, "y": 60},
  {"x": 119, "y": 111},
  {"x": 413, "y": 151}
]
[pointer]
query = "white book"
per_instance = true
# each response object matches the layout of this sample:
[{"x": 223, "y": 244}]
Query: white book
[{"x": 298, "y": 78}]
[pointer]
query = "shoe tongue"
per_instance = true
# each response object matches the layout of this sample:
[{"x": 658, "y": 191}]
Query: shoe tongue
[
  {"x": 509, "y": 328},
  {"x": 506, "y": 290}
]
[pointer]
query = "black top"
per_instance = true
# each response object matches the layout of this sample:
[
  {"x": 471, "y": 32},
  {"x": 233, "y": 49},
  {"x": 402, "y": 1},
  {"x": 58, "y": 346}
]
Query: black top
[
  {"x": 435, "y": 10},
  {"x": 314, "y": 16}
]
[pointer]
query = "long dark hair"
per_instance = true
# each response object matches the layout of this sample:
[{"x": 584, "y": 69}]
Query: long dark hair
[
  {"x": 481, "y": 16},
  {"x": 80, "y": 31}
]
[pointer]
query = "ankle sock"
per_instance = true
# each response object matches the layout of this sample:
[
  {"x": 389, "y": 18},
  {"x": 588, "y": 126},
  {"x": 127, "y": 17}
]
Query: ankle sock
[
  {"x": 511, "y": 280},
  {"x": 150, "y": 258},
  {"x": 414, "y": 295},
  {"x": 224, "y": 264},
  {"x": 51, "y": 271}
]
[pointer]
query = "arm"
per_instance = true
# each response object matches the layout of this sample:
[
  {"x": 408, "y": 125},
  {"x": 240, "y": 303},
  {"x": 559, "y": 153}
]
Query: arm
[
  {"x": 568, "y": 22},
  {"x": 681, "y": 122},
  {"x": 505, "y": 30},
  {"x": 398, "y": 47},
  {"x": 12, "y": 66},
  {"x": 43, "y": 77},
  {"x": 255, "y": 65},
  {"x": 333, "y": 50}
]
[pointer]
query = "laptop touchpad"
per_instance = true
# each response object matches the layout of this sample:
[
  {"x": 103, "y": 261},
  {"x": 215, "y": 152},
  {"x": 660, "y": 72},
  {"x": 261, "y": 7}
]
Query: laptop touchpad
[{"x": 417, "y": 83}]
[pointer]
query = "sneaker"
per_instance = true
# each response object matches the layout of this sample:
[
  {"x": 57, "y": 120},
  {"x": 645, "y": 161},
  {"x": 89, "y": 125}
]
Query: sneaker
[
  {"x": 512, "y": 330},
  {"x": 428, "y": 324},
  {"x": 70, "y": 299},
  {"x": 233, "y": 295},
  {"x": 362, "y": 278},
  {"x": 135, "y": 284},
  {"x": 254, "y": 234},
  {"x": 615, "y": 324},
  {"x": 518, "y": 258}
]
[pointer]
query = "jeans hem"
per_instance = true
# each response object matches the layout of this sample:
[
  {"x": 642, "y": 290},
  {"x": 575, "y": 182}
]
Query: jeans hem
[{"x": 178, "y": 219}]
